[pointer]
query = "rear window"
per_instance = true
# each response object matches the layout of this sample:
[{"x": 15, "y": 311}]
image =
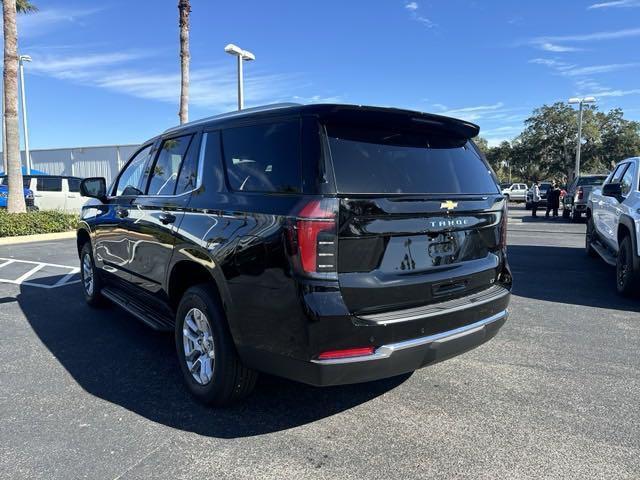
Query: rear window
[
  {"x": 389, "y": 161},
  {"x": 584, "y": 181}
]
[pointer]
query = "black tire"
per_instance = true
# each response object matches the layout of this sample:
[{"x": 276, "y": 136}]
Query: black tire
[
  {"x": 230, "y": 380},
  {"x": 589, "y": 237},
  {"x": 92, "y": 291},
  {"x": 528, "y": 206},
  {"x": 566, "y": 213},
  {"x": 576, "y": 216},
  {"x": 627, "y": 278}
]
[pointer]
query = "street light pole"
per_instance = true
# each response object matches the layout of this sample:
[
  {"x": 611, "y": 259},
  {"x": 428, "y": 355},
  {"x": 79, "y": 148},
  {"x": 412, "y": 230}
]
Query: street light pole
[
  {"x": 27, "y": 155},
  {"x": 243, "y": 55},
  {"x": 580, "y": 102}
]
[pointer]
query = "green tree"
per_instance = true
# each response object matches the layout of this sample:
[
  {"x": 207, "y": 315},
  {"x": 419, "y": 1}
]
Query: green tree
[{"x": 10, "y": 8}]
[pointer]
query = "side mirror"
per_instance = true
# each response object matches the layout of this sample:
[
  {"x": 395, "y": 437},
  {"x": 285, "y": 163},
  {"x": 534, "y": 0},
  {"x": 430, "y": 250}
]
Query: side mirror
[
  {"x": 612, "y": 190},
  {"x": 94, "y": 187}
]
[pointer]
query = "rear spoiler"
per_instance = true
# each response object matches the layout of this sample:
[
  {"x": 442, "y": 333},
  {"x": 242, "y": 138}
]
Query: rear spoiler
[{"x": 409, "y": 119}]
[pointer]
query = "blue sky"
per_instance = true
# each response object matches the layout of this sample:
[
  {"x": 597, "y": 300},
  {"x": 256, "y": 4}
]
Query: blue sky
[{"x": 108, "y": 72}]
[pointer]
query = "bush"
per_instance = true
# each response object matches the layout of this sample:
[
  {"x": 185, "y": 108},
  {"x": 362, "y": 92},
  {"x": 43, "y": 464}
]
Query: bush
[{"x": 30, "y": 223}]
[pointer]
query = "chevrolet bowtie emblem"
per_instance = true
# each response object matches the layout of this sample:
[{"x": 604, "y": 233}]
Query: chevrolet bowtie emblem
[{"x": 449, "y": 205}]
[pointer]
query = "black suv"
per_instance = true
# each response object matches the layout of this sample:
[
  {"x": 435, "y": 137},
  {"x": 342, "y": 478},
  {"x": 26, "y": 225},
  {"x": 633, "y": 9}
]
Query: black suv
[{"x": 328, "y": 244}]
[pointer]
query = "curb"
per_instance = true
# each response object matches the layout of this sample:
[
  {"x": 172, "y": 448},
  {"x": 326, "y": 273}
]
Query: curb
[{"x": 41, "y": 237}]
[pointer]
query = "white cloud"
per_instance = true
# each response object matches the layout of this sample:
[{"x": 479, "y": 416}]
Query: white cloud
[
  {"x": 212, "y": 87},
  {"x": 552, "y": 47},
  {"x": 473, "y": 113},
  {"x": 413, "y": 10},
  {"x": 615, "y": 4},
  {"x": 614, "y": 93},
  {"x": 571, "y": 70},
  {"x": 46, "y": 20},
  {"x": 596, "y": 36},
  {"x": 594, "y": 69}
]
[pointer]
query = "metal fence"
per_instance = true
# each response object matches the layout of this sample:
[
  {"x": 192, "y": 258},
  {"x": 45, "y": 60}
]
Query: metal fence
[{"x": 82, "y": 162}]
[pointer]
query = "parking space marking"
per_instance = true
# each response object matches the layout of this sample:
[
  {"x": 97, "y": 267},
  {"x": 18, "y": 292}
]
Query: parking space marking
[{"x": 67, "y": 278}]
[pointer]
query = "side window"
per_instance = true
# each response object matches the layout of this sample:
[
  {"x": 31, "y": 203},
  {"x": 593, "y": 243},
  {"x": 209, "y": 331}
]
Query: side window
[
  {"x": 627, "y": 180},
  {"x": 263, "y": 158},
  {"x": 617, "y": 175},
  {"x": 164, "y": 175},
  {"x": 132, "y": 173},
  {"x": 49, "y": 184},
  {"x": 74, "y": 184},
  {"x": 188, "y": 177}
]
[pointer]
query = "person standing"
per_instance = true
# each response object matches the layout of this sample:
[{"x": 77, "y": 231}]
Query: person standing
[
  {"x": 553, "y": 200},
  {"x": 535, "y": 199}
]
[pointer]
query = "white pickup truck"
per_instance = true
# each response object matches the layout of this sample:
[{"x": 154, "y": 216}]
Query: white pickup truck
[
  {"x": 613, "y": 224},
  {"x": 516, "y": 192}
]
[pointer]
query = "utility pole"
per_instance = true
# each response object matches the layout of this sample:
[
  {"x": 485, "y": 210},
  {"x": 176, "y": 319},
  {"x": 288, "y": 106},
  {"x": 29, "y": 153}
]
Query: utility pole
[{"x": 580, "y": 102}]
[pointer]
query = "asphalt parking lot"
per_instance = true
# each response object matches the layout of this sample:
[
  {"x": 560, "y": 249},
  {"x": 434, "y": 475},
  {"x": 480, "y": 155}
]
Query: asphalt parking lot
[{"x": 94, "y": 394}]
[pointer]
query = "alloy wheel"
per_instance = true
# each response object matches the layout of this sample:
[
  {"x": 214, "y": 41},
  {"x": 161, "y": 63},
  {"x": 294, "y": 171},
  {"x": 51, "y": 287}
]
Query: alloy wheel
[{"x": 197, "y": 340}]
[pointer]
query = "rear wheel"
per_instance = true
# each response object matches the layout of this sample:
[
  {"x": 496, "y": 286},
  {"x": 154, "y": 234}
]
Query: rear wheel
[
  {"x": 589, "y": 238},
  {"x": 576, "y": 216},
  {"x": 626, "y": 276},
  {"x": 208, "y": 359},
  {"x": 90, "y": 278}
]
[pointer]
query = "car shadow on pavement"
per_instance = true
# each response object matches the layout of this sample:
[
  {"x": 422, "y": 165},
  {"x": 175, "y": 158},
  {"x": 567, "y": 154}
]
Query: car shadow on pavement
[
  {"x": 550, "y": 219},
  {"x": 116, "y": 358},
  {"x": 566, "y": 275}
]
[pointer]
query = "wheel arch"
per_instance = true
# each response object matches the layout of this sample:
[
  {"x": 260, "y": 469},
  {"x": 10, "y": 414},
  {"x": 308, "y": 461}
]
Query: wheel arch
[
  {"x": 626, "y": 227},
  {"x": 186, "y": 272},
  {"x": 82, "y": 237}
]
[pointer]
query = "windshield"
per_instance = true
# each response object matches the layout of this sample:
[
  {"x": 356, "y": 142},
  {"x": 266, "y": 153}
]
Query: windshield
[
  {"x": 392, "y": 162},
  {"x": 584, "y": 181}
]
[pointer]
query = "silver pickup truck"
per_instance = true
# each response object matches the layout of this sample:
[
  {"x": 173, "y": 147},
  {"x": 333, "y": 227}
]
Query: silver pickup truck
[{"x": 574, "y": 203}]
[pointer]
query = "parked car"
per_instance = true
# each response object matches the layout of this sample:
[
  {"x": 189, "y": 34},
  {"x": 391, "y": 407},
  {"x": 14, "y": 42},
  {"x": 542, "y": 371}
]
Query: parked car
[
  {"x": 4, "y": 194},
  {"x": 544, "y": 189},
  {"x": 323, "y": 243},
  {"x": 574, "y": 202},
  {"x": 54, "y": 192},
  {"x": 613, "y": 216},
  {"x": 517, "y": 192}
]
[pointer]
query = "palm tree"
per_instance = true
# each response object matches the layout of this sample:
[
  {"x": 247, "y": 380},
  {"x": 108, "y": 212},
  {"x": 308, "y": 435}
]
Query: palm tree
[
  {"x": 184, "y": 9},
  {"x": 10, "y": 8}
]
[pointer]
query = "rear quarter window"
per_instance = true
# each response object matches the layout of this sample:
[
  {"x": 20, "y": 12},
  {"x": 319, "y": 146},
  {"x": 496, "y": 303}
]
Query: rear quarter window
[
  {"x": 393, "y": 162},
  {"x": 264, "y": 157}
]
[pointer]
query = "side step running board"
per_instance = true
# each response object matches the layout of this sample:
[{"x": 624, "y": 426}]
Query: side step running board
[
  {"x": 606, "y": 255},
  {"x": 138, "y": 310}
]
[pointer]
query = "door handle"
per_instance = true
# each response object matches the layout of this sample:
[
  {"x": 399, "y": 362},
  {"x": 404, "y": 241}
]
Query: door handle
[
  {"x": 167, "y": 218},
  {"x": 122, "y": 213}
]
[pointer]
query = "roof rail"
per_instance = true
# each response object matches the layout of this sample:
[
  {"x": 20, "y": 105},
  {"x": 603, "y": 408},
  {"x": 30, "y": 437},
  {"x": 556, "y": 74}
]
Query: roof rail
[{"x": 237, "y": 113}]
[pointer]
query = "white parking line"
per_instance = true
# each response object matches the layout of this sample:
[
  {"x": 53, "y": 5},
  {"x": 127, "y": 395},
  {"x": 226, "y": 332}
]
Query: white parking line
[{"x": 37, "y": 266}]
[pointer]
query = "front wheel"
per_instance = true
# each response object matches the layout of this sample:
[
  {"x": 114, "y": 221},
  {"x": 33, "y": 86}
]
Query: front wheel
[
  {"x": 208, "y": 359},
  {"x": 627, "y": 277},
  {"x": 90, "y": 278}
]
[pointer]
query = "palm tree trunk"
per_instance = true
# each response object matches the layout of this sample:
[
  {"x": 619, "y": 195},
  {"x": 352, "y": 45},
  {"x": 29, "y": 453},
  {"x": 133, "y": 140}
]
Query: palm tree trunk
[
  {"x": 15, "y": 202},
  {"x": 185, "y": 9}
]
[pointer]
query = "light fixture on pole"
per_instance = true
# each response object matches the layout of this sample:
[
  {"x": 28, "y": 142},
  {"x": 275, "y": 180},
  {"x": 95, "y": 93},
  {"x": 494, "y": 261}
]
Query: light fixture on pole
[
  {"x": 27, "y": 155},
  {"x": 580, "y": 102},
  {"x": 243, "y": 55}
]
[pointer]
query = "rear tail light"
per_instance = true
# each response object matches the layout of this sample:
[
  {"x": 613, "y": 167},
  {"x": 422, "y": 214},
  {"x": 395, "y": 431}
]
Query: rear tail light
[
  {"x": 316, "y": 233},
  {"x": 579, "y": 194},
  {"x": 346, "y": 353}
]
